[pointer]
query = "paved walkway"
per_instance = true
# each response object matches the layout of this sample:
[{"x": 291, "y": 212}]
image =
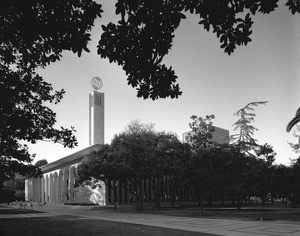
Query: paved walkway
[{"x": 213, "y": 226}]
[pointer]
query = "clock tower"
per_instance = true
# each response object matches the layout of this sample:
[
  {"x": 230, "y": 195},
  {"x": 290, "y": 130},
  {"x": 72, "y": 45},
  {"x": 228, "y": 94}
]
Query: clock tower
[{"x": 96, "y": 113}]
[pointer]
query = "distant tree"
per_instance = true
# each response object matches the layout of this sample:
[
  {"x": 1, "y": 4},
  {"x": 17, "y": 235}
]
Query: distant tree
[
  {"x": 102, "y": 165},
  {"x": 170, "y": 154},
  {"x": 176, "y": 169},
  {"x": 198, "y": 168},
  {"x": 13, "y": 190},
  {"x": 244, "y": 141},
  {"x": 128, "y": 160},
  {"x": 143, "y": 36},
  {"x": 139, "y": 153},
  {"x": 41, "y": 162},
  {"x": 281, "y": 185},
  {"x": 238, "y": 174},
  {"x": 202, "y": 129},
  {"x": 214, "y": 171},
  {"x": 244, "y": 138},
  {"x": 34, "y": 34},
  {"x": 219, "y": 161},
  {"x": 263, "y": 173},
  {"x": 295, "y": 180}
]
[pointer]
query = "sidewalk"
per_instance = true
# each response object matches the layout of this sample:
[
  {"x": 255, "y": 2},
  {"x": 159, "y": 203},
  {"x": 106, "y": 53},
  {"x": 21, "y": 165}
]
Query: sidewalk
[{"x": 213, "y": 226}]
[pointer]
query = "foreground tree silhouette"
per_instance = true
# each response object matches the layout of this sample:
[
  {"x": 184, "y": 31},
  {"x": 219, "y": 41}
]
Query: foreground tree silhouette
[
  {"x": 33, "y": 35},
  {"x": 294, "y": 121},
  {"x": 144, "y": 35},
  {"x": 296, "y": 146}
]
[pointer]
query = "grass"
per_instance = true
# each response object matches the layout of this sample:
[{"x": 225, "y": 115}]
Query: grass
[
  {"x": 76, "y": 226},
  {"x": 72, "y": 225},
  {"x": 9, "y": 211}
]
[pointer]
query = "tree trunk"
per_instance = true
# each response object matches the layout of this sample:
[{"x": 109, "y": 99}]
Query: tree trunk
[
  {"x": 238, "y": 199},
  {"x": 157, "y": 203},
  {"x": 222, "y": 199},
  {"x": 261, "y": 208},
  {"x": 140, "y": 196},
  {"x": 201, "y": 204},
  {"x": 173, "y": 196}
]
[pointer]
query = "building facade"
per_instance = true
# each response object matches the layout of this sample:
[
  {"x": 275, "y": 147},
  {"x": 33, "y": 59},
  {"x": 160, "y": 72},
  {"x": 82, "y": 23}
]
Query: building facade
[{"x": 56, "y": 185}]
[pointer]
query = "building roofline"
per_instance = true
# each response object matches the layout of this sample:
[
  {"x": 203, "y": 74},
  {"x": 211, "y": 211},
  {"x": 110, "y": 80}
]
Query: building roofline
[
  {"x": 70, "y": 159},
  {"x": 213, "y": 126}
]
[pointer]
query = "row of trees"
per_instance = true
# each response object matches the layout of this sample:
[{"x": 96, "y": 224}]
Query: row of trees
[
  {"x": 35, "y": 33},
  {"x": 242, "y": 167}
]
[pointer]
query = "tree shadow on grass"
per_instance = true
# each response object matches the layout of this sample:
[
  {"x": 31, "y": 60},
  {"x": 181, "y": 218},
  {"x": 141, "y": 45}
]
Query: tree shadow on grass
[{"x": 13, "y": 211}]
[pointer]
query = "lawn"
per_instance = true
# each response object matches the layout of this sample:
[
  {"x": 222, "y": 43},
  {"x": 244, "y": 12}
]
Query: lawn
[
  {"x": 77, "y": 226},
  {"x": 7, "y": 210},
  {"x": 73, "y": 225}
]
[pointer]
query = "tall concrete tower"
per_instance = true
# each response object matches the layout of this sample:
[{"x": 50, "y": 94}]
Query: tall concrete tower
[{"x": 96, "y": 113}]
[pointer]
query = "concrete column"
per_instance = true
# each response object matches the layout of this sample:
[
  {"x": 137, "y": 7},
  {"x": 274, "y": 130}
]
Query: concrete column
[
  {"x": 38, "y": 189},
  {"x": 71, "y": 184},
  {"x": 33, "y": 190},
  {"x": 51, "y": 188},
  {"x": 59, "y": 186},
  {"x": 28, "y": 189},
  {"x": 43, "y": 189},
  {"x": 55, "y": 197},
  {"x": 65, "y": 186},
  {"x": 48, "y": 187}
]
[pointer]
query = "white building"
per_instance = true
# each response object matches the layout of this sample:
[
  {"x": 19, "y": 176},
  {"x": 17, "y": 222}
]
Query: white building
[{"x": 56, "y": 185}]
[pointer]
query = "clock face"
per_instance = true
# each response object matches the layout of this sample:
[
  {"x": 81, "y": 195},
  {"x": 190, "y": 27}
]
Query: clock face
[{"x": 96, "y": 83}]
